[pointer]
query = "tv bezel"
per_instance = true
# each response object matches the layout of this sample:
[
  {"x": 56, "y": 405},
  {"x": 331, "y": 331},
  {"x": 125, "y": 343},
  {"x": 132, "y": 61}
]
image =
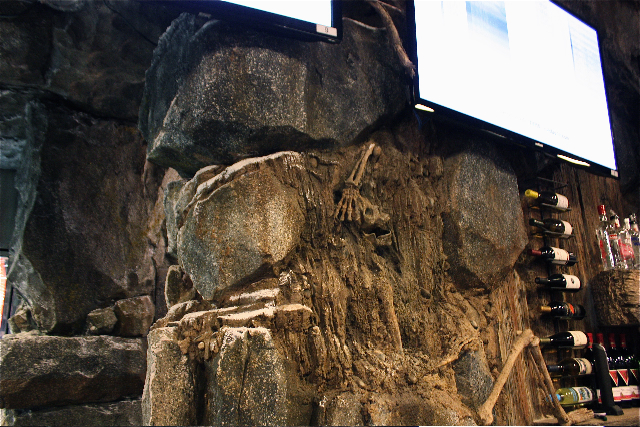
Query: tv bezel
[
  {"x": 497, "y": 131},
  {"x": 267, "y": 21}
]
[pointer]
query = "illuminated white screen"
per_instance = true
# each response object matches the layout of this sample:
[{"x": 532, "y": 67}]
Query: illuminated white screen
[
  {"x": 314, "y": 11},
  {"x": 525, "y": 66}
]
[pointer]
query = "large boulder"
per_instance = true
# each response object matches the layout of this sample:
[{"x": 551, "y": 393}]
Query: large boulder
[
  {"x": 169, "y": 396},
  {"x": 217, "y": 93},
  {"x": 37, "y": 371},
  {"x": 484, "y": 229},
  {"x": 240, "y": 224},
  {"x": 123, "y": 413},
  {"x": 246, "y": 383},
  {"x": 90, "y": 239}
]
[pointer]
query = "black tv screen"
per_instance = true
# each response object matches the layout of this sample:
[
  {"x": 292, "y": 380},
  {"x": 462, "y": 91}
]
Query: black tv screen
[
  {"x": 527, "y": 70},
  {"x": 309, "y": 19}
]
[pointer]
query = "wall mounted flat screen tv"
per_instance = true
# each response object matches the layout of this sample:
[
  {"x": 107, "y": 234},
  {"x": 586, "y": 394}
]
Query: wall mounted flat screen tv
[
  {"x": 528, "y": 71},
  {"x": 309, "y": 19}
]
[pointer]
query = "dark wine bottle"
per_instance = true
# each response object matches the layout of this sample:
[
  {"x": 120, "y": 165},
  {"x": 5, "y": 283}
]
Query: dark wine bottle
[
  {"x": 618, "y": 367},
  {"x": 564, "y": 310},
  {"x": 552, "y": 225},
  {"x": 567, "y": 339},
  {"x": 561, "y": 282},
  {"x": 554, "y": 200},
  {"x": 613, "y": 372},
  {"x": 631, "y": 365},
  {"x": 573, "y": 366},
  {"x": 555, "y": 255}
]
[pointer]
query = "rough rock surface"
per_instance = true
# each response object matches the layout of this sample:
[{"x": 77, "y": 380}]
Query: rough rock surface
[
  {"x": 484, "y": 232},
  {"x": 41, "y": 371},
  {"x": 178, "y": 287},
  {"x": 70, "y": 237},
  {"x": 123, "y": 413},
  {"x": 101, "y": 321},
  {"x": 246, "y": 381},
  {"x": 241, "y": 223},
  {"x": 135, "y": 316},
  {"x": 169, "y": 396},
  {"x": 216, "y": 94}
]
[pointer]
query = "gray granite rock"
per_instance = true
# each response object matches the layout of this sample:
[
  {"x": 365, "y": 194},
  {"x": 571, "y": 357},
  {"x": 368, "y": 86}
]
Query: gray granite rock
[
  {"x": 123, "y": 413},
  {"x": 169, "y": 396},
  {"x": 484, "y": 227},
  {"x": 135, "y": 316},
  {"x": 217, "y": 93},
  {"x": 473, "y": 378},
  {"x": 37, "y": 371},
  {"x": 178, "y": 288},
  {"x": 101, "y": 321},
  {"x": 246, "y": 383},
  {"x": 240, "y": 224}
]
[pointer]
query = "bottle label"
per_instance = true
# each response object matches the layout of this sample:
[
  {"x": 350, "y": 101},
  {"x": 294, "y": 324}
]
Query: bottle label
[
  {"x": 572, "y": 281},
  {"x": 613, "y": 373},
  {"x": 627, "y": 393},
  {"x": 560, "y": 256},
  {"x": 585, "y": 366},
  {"x": 579, "y": 338},
  {"x": 635, "y": 241},
  {"x": 563, "y": 202},
  {"x": 568, "y": 229},
  {"x": 635, "y": 392},
  {"x": 582, "y": 394},
  {"x": 634, "y": 372},
  {"x": 624, "y": 374},
  {"x": 617, "y": 394}
]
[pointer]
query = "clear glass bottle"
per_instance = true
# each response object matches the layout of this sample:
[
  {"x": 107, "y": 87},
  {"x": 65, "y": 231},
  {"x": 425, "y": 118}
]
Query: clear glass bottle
[
  {"x": 635, "y": 240},
  {"x": 626, "y": 246},
  {"x": 614, "y": 240},
  {"x": 602, "y": 234}
]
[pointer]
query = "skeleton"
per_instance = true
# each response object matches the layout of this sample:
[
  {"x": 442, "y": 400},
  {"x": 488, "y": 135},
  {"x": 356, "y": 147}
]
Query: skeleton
[{"x": 352, "y": 205}]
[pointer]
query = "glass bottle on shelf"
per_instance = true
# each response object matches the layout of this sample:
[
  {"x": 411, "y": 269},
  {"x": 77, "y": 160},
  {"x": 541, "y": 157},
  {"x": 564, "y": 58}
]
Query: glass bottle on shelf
[
  {"x": 613, "y": 372},
  {"x": 626, "y": 245},
  {"x": 575, "y": 396},
  {"x": 612, "y": 230},
  {"x": 564, "y": 310},
  {"x": 635, "y": 239},
  {"x": 560, "y": 282},
  {"x": 602, "y": 233},
  {"x": 555, "y": 255},
  {"x": 573, "y": 366},
  {"x": 548, "y": 199},
  {"x": 553, "y": 225},
  {"x": 567, "y": 339}
]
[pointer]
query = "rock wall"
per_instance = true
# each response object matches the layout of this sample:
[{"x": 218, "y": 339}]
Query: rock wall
[{"x": 296, "y": 274}]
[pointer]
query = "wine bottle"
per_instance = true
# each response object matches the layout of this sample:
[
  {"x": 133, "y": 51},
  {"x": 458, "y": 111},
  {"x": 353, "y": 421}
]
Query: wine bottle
[
  {"x": 555, "y": 255},
  {"x": 572, "y": 396},
  {"x": 561, "y": 282},
  {"x": 552, "y": 225},
  {"x": 618, "y": 367},
  {"x": 564, "y": 310},
  {"x": 602, "y": 234},
  {"x": 613, "y": 372},
  {"x": 549, "y": 199},
  {"x": 567, "y": 339},
  {"x": 631, "y": 365},
  {"x": 573, "y": 366}
]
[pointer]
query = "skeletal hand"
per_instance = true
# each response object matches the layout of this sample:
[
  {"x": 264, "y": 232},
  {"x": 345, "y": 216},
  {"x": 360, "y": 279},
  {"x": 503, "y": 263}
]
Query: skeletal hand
[{"x": 350, "y": 205}]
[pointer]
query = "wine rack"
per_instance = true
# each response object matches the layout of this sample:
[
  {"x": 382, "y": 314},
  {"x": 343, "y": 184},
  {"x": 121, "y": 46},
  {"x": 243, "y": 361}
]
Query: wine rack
[{"x": 599, "y": 378}]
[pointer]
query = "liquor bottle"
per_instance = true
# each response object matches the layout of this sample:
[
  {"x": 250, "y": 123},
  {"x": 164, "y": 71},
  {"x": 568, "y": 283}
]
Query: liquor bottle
[
  {"x": 567, "y": 339},
  {"x": 629, "y": 364},
  {"x": 602, "y": 234},
  {"x": 563, "y": 310},
  {"x": 549, "y": 199},
  {"x": 614, "y": 241},
  {"x": 573, "y": 396},
  {"x": 573, "y": 366},
  {"x": 626, "y": 246},
  {"x": 555, "y": 255},
  {"x": 613, "y": 372},
  {"x": 552, "y": 225},
  {"x": 561, "y": 282},
  {"x": 635, "y": 239}
]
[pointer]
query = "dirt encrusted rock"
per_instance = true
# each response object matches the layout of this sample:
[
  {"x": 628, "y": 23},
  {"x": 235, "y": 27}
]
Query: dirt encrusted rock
[{"x": 361, "y": 319}]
